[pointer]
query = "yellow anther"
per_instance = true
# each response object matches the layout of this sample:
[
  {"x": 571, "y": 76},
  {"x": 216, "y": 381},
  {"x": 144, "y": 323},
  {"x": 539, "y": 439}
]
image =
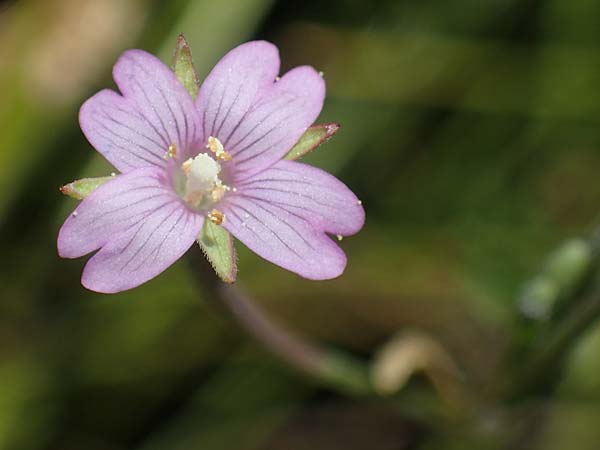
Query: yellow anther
[
  {"x": 171, "y": 152},
  {"x": 216, "y": 217},
  {"x": 187, "y": 166},
  {"x": 215, "y": 146},
  {"x": 219, "y": 191}
]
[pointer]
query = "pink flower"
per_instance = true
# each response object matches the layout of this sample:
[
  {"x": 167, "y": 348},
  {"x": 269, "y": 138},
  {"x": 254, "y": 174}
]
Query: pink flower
[{"x": 219, "y": 157}]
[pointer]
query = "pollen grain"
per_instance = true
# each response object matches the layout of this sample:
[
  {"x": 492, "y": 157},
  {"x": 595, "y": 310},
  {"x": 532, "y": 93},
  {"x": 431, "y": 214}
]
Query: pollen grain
[
  {"x": 171, "y": 152},
  {"x": 215, "y": 146},
  {"x": 216, "y": 217}
]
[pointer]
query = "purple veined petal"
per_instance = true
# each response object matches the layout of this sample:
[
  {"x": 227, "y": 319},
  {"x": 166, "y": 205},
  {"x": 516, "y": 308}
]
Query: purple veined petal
[
  {"x": 112, "y": 208},
  {"x": 282, "y": 236},
  {"x": 307, "y": 192},
  {"x": 155, "y": 111},
  {"x": 143, "y": 251},
  {"x": 139, "y": 223},
  {"x": 233, "y": 86},
  {"x": 256, "y": 118},
  {"x": 276, "y": 121}
]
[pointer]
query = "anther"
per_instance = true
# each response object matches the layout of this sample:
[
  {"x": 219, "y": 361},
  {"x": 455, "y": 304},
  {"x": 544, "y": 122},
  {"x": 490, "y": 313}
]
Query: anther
[
  {"x": 215, "y": 146},
  {"x": 216, "y": 217},
  {"x": 171, "y": 152},
  {"x": 187, "y": 166},
  {"x": 339, "y": 237}
]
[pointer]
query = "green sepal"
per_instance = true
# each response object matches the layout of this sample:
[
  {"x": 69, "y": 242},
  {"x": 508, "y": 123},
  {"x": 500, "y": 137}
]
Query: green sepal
[
  {"x": 311, "y": 139},
  {"x": 183, "y": 66},
  {"x": 80, "y": 189},
  {"x": 217, "y": 244}
]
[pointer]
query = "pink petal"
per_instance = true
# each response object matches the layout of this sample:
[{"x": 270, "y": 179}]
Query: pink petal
[
  {"x": 282, "y": 214},
  {"x": 136, "y": 129},
  {"x": 140, "y": 224},
  {"x": 144, "y": 251},
  {"x": 257, "y": 119},
  {"x": 310, "y": 193},
  {"x": 232, "y": 87}
]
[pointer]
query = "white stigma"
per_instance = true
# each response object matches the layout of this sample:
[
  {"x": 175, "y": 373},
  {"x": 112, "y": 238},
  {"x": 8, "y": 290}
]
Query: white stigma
[
  {"x": 202, "y": 172},
  {"x": 203, "y": 187}
]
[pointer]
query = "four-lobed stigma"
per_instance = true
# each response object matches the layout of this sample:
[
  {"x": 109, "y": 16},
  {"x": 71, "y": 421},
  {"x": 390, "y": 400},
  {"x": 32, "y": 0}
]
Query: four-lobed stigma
[{"x": 203, "y": 186}]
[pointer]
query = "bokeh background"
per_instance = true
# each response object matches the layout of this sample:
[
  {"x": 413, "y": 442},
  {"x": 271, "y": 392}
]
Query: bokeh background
[{"x": 470, "y": 130}]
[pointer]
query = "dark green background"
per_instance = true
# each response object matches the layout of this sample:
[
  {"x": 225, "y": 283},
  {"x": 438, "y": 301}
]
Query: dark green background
[{"x": 469, "y": 130}]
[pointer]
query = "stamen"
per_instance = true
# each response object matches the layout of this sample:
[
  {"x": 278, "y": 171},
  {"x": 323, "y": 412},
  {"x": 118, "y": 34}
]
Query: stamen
[
  {"x": 216, "y": 217},
  {"x": 187, "y": 166},
  {"x": 215, "y": 146},
  {"x": 171, "y": 152},
  {"x": 219, "y": 191}
]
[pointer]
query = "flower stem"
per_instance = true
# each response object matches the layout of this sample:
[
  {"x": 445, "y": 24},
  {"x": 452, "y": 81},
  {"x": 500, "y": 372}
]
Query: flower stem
[{"x": 332, "y": 367}]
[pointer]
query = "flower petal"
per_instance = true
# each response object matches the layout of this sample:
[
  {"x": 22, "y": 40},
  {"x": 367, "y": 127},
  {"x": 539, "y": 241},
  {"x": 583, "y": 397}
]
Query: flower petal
[
  {"x": 282, "y": 214},
  {"x": 310, "y": 193},
  {"x": 139, "y": 222},
  {"x": 258, "y": 119},
  {"x": 144, "y": 251},
  {"x": 112, "y": 208},
  {"x": 229, "y": 91},
  {"x": 155, "y": 111}
]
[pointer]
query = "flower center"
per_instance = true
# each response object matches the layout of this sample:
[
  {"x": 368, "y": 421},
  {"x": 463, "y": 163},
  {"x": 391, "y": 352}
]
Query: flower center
[
  {"x": 198, "y": 182},
  {"x": 203, "y": 187}
]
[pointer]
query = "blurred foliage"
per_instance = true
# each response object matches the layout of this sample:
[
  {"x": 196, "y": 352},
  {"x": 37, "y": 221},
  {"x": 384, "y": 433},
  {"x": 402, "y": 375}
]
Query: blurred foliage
[{"x": 470, "y": 132}]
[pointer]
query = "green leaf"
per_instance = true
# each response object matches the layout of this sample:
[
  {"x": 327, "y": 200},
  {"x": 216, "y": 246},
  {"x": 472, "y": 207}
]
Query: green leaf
[
  {"x": 311, "y": 139},
  {"x": 80, "y": 189},
  {"x": 217, "y": 244},
  {"x": 183, "y": 66}
]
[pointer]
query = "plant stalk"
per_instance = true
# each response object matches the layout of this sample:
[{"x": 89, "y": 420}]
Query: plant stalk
[{"x": 332, "y": 367}]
